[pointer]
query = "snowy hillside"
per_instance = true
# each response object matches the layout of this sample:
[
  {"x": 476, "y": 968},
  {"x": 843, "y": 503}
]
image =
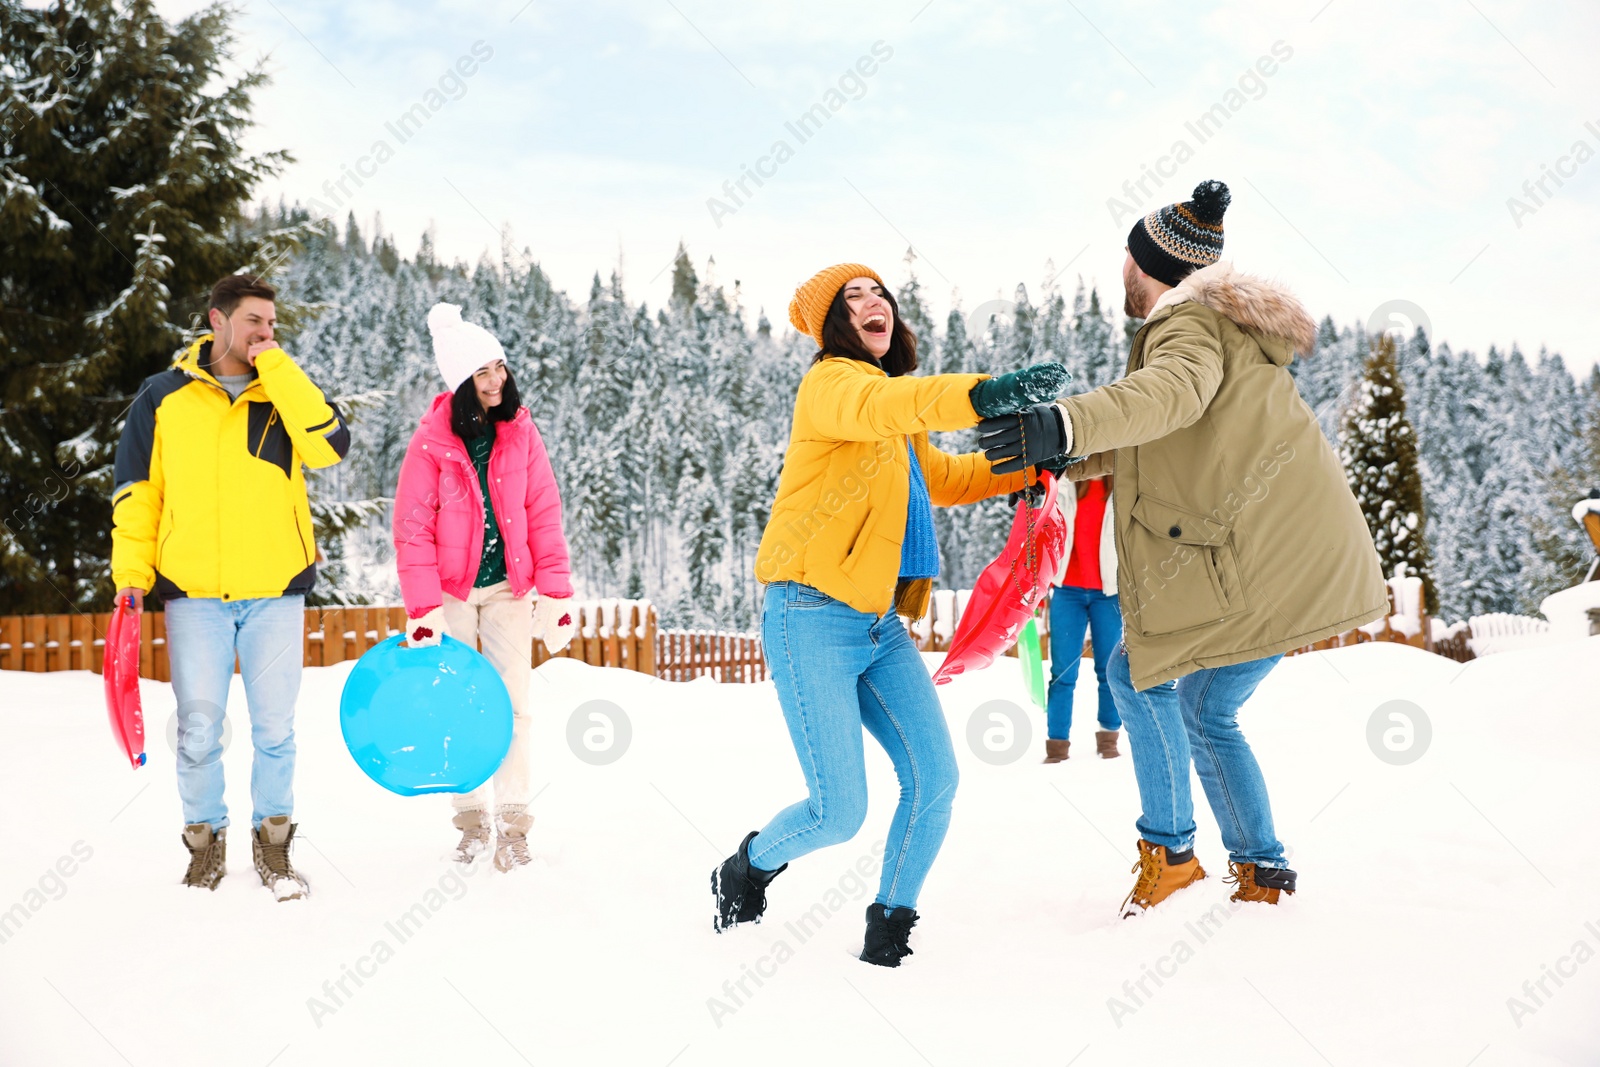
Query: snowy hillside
[{"x": 1432, "y": 892}]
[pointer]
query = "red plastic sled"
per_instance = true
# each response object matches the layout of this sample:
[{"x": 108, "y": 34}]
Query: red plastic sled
[
  {"x": 1011, "y": 588},
  {"x": 120, "y": 670}
]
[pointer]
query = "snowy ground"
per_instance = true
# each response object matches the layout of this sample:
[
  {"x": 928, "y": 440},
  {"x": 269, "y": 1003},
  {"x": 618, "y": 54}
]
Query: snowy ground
[{"x": 1431, "y": 893}]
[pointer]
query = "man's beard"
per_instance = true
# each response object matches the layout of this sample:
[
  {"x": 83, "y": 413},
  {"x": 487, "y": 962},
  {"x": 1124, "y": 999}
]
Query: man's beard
[{"x": 1129, "y": 308}]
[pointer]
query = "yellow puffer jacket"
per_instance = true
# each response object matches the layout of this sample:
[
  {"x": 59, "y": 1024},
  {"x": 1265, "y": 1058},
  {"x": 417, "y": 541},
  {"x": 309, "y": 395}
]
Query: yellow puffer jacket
[
  {"x": 210, "y": 496},
  {"x": 840, "y": 515}
]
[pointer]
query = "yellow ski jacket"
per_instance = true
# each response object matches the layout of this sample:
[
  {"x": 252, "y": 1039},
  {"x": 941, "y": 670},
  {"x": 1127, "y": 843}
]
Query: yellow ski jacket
[
  {"x": 210, "y": 497},
  {"x": 840, "y": 515}
]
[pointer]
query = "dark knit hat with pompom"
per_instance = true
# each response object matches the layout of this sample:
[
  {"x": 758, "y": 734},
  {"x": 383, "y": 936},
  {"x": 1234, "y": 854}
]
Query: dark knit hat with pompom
[{"x": 1174, "y": 241}]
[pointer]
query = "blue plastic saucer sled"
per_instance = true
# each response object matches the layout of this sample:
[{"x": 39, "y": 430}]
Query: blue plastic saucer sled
[{"x": 425, "y": 720}]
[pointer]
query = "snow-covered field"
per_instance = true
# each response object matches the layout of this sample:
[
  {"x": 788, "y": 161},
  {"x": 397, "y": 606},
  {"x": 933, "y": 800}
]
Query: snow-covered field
[{"x": 1432, "y": 893}]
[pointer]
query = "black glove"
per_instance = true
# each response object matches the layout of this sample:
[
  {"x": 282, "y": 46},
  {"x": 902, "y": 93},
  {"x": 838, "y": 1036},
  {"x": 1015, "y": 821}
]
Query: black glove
[
  {"x": 1028, "y": 438},
  {"x": 1013, "y": 392}
]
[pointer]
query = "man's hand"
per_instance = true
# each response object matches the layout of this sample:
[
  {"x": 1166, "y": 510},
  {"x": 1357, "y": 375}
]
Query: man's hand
[
  {"x": 256, "y": 349},
  {"x": 1033, "y": 436},
  {"x": 137, "y": 595}
]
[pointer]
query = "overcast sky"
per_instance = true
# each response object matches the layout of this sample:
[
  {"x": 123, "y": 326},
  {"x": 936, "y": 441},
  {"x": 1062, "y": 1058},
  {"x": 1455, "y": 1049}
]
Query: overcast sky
[{"x": 1372, "y": 147}]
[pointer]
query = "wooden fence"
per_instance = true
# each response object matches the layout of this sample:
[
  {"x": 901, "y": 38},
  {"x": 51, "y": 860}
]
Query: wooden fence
[
  {"x": 1455, "y": 647},
  {"x": 727, "y": 657},
  {"x": 612, "y": 633}
]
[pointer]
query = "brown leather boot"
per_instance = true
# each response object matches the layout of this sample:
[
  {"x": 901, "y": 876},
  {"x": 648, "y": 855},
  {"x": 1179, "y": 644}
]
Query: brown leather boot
[
  {"x": 1161, "y": 874},
  {"x": 1055, "y": 751},
  {"x": 208, "y": 853},
  {"x": 270, "y": 846},
  {"x": 1261, "y": 884},
  {"x": 1105, "y": 744}
]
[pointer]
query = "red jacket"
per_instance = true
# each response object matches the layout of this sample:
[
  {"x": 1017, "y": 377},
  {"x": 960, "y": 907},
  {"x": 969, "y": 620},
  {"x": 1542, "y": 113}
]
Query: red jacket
[{"x": 438, "y": 512}]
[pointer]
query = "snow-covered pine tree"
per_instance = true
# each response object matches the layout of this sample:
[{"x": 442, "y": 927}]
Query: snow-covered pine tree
[
  {"x": 708, "y": 403},
  {"x": 914, "y": 313},
  {"x": 1379, "y": 451},
  {"x": 337, "y": 517},
  {"x": 124, "y": 176},
  {"x": 1098, "y": 358}
]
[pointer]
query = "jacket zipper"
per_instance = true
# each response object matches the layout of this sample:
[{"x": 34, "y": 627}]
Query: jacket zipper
[{"x": 271, "y": 418}]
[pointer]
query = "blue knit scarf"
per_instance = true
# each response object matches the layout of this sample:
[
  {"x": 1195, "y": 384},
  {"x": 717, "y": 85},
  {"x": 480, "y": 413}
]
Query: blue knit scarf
[{"x": 919, "y": 552}]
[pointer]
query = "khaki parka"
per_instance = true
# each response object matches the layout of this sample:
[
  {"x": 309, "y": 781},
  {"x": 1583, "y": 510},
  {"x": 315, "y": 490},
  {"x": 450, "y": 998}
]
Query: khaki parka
[{"x": 1237, "y": 535}]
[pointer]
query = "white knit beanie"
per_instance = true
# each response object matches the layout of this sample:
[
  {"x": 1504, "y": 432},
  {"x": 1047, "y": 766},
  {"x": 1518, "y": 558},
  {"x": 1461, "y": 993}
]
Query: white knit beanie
[{"x": 460, "y": 348}]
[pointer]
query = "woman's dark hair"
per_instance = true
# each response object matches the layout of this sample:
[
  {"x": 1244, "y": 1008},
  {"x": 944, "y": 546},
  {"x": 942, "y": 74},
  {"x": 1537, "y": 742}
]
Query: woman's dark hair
[
  {"x": 839, "y": 338},
  {"x": 467, "y": 415}
]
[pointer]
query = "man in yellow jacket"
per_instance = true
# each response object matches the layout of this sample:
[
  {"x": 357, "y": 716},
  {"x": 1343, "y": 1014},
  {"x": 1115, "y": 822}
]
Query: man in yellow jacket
[{"x": 210, "y": 511}]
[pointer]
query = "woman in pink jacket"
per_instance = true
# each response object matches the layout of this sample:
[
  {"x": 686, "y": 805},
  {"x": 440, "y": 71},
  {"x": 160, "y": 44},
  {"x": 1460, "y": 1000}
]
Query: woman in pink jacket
[{"x": 477, "y": 532}]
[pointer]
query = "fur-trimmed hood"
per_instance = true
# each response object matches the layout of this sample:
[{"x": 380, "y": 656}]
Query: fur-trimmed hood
[{"x": 1254, "y": 303}]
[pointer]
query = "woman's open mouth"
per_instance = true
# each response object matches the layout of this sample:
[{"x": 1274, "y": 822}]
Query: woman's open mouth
[{"x": 875, "y": 323}]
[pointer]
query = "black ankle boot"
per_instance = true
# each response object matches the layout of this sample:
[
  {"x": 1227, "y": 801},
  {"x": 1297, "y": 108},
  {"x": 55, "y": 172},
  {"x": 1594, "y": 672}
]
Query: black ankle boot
[
  {"x": 888, "y": 935},
  {"x": 740, "y": 889}
]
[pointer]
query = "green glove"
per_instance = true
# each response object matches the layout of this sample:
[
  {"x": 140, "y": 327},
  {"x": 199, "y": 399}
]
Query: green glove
[{"x": 1019, "y": 390}]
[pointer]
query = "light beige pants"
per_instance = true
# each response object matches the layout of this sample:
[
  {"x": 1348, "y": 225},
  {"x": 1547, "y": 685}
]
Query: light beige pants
[{"x": 504, "y": 623}]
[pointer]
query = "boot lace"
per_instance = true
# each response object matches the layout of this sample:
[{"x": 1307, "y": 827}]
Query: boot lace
[
  {"x": 1149, "y": 871},
  {"x": 1236, "y": 877},
  {"x": 276, "y": 858},
  {"x": 517, "y": 846},
  {"x": 201, "y": 862},
  {"x": 478, "y": 834}
]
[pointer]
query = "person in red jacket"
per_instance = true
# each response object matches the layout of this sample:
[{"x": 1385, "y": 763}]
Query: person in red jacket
[
  {"x": 477, "y": 531},
  {"x": 1085, "y": 599}
]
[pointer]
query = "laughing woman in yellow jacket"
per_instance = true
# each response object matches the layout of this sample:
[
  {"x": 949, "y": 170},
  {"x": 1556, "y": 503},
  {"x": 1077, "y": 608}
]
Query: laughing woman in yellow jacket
[
  {"x": 849, "y": 546},
  {"x": 210, "y": 511}
]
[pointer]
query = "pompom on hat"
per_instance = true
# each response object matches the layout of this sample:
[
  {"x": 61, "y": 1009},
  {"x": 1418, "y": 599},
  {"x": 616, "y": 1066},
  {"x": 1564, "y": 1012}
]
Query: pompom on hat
[
  {"x": 1173, "y": 242},
  {"x": 460, "y": 348},
  {"x": 811, "y": 301}
]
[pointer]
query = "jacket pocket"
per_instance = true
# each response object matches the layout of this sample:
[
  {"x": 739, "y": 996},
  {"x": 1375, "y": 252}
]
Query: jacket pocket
[
  {"x": 807, "y": 596},
  {"x": 302, "y": 523},
  {"x": 1184, "y": 569},
  {"x": 161, "y": 549}
]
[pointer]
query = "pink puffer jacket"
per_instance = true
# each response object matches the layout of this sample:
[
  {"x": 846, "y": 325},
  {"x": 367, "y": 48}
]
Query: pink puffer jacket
[{"x": 438, "y": 512}]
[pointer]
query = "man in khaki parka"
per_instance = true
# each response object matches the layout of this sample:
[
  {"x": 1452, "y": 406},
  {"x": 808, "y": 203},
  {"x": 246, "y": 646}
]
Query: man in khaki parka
[{"x": 1237, "y": 536}]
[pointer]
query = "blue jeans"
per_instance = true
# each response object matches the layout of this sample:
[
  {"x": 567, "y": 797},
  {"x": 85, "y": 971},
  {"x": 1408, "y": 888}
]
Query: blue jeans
[
  {"x": 838, "y": 669},
  {"x": 1072, "y": 611},
  {"x": 203, "y": 636},
  {"x": 1197, "y": 717}
]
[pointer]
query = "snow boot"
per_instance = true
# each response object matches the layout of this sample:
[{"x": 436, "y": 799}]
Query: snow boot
[
  {"x": 1055, "y": 751},
  {"x": 474, "y": 827},
  {"x": 740, "y": 890},
  {"x": 1259, "y": 883},
  {"x": 207, "y": 855},
  {"x": 1105, "y": 744},
  {"x": 1162, "y": 873},
  {"x": 888, "y": 934},
  {"x": 270, "y": 845},
  {"x": 512, "y": 823}
]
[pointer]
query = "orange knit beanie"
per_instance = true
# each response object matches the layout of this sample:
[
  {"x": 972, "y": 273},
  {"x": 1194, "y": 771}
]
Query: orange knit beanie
[{"x": 812, "y": 300}]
